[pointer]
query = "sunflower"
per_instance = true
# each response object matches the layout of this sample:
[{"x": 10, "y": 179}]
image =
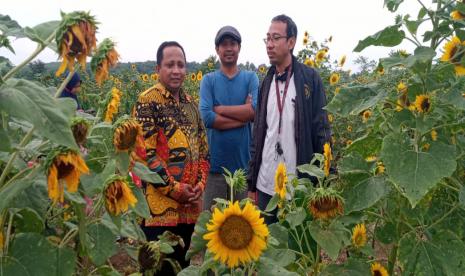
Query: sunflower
[
  {"x": 325, "y": 203},
  {"x": 379, "y": 168},
  {"x": 434, "y": 135},
  {"x": 154, "y": 77},
  {"x": 334, "y": 78},
  {"x": 280, "y": 180},
  {"x": 309, "y": 62},
  {"x": 401, "y": 87},
  {"x": 349, "y": 142},
  {"x": 145, "y": 77},
  {"x": 378, "y": 270},
  {"x": 105, "y": 57},
  {"x": 305, "y": 40},
  {"x": 457, "y": 15},
  {"x": 320, "y": 56},
  {"x": 328, "y": 157},
  {"x": 118, "y": 195},
  {"x": 75, "y": 39},
  {"x": 366, "y": 115},
  {"x": 380, "y": 70},
  {"x": 262, "y": 69},
  {"x": 149, "y": 256},
  {"x": 193, "y": 77},
  {"x": 453, "y": 53},
  {"x": 306, "y": 34},
  {"x": 349, "y": 128},
  {"x": 79, "y": 127},
  {"x": 127, "y": 134},
  {"x": 330, "y": 118},
  {"x": 199, "y": 76},
  {"x": 337, "y": 90},
  {"x": 236, "y": 236},
  {"x": 426, "y": 147},
  {"x": 113, "y": 104},
  {"x": 399, "y": 105},
  {"x": 342, "y": 61},
  {"x": 64, "y": 165},
  {"x": 359, "y": 235},
  {"x": 371, "y": 158},
  {"x": 423, "y": 103},
  {"x": 133, "y": 66}
]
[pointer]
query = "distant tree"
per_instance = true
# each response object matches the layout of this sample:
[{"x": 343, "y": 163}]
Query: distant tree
[{"x": 365, "y": 64}]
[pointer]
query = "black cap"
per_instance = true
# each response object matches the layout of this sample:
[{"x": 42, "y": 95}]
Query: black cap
[{"x": 227, "y": 31}]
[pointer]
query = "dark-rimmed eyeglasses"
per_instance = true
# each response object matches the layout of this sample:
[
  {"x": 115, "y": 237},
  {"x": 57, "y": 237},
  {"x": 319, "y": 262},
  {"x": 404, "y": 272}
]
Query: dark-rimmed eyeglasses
[{"x": 273, "y": 39}]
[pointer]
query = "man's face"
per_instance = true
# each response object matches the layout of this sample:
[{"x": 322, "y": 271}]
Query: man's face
[
  {"x": 228, "y": 51},
  {"x": 278, "y": 45},
  {"x": 172, "y": 69}
]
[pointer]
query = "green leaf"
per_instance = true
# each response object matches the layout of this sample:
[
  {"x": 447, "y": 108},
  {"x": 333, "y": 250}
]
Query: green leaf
[
  {"x": 268, "y": 267},
  {"x": 22, "y": 98},
  {"x": 281, "y": 257},
  {"x": 9, "y": 192},
  {"x": 462, "y": 197},
  {"x": 141, "y": 208},
  {"x": 75, "y": 197},
  {"x": 272, "y": 204},
  {"x": 412, "y": 26},
  {"x": 386, "y": 233},
  {"x": 421, "y": 13},
  {"x": 389, "y": 37},
  {"x": 41, "y": 32},
  {"x": 365, "y": 194},
  {"x": 416, "y": 172},
  {"x": 352, "y": 267},
  {"x": 10, "y": 27},
  {"x": 311, "y": 170},
  {"x": 197, "y": 242},
  {"x": 122, "y": 162},
  {"x": 280, "y": 233},
  {"x": 94, "y": 184},
  {"x": 355, "y": 99},
  {"x": 367, "y": 145},
  {"x": 5, "y": 145},
  {"x": 331, "y": 239},
  {"x": 419, "y": 61},
  {"x": 296, "y": 217},
  {"x": 392, "y": 5},
  {"x": 103, "y": 243},
  {"x": 146, "y": 174},
  {"x": 107, "y": 271},
  {"x": 354, "y": 164},
  {"x": 191, "y": 270},
  {"x": 454, "y": 96},
  {"x": 34, "y": 254},
  {"x": 28, "y": 220}
]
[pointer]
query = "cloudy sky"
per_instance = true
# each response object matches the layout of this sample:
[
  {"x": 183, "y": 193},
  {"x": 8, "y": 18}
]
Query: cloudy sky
[{"x": 140, "y": 26}]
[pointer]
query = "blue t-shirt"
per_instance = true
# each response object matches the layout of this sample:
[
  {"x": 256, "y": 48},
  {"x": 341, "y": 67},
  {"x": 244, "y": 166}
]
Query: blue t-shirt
[{"x": 228, "y": 148}]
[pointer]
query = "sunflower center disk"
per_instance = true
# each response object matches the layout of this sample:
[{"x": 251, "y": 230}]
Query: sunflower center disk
[
  {"x": 64, "y": 169},
  {"x": 236, "y": 232}
]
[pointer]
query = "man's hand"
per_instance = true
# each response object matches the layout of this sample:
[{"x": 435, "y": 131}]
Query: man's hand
[
  {"x": 253, "y": 197},
  {"x": 198, "y": 193},
  {"x": 186, "y": 193},
  {"x": 218, "y": 109}
]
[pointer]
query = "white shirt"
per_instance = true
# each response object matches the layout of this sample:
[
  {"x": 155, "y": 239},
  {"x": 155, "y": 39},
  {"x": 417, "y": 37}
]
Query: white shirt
[{"x": 270, "y": 159}]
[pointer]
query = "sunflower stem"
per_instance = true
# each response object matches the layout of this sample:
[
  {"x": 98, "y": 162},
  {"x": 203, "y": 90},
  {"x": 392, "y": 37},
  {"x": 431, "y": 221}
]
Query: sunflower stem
[
  {"x": 40, "y": 48},
  {"x": 8, "y": 232},
  {"x": 317, "y": 260},
  {"x": 63, "y": 84},
  {"x": 392, "y": 259}
]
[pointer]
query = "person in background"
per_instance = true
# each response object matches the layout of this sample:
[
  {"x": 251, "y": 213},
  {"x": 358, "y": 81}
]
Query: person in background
[{"x": 72, "y": 88}]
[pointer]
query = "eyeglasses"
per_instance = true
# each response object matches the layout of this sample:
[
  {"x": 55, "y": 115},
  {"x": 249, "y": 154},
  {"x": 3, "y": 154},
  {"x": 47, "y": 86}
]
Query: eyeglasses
[{"x": 273, "y": 39}]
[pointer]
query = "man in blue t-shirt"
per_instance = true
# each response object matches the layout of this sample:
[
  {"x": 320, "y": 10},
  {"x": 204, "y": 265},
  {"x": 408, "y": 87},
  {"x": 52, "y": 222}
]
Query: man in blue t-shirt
[{"x": 227, "y": 101}]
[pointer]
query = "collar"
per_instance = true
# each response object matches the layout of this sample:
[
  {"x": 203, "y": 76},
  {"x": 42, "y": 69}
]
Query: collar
[{"x": 183, "y": 97}]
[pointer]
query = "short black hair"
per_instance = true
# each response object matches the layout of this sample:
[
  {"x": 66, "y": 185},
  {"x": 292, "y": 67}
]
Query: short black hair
[
  {"x": 168, "y": 44},
  {"x": 291, "y": 27}
]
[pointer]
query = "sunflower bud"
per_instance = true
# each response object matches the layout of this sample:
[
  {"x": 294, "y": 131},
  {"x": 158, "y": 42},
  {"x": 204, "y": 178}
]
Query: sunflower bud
[
  {"x": 325, "y": 203},
  {"x": 79, "y": 126},
  {"x": 127, "y": 134},
  {"x": 118, "y": 195},
  {"x": 105, "y": 57},
  {"x": 75, "y": 39}
]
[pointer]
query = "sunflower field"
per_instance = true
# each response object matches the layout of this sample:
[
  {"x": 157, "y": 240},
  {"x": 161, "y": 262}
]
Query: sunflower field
[{"x": 387, "y": 195}]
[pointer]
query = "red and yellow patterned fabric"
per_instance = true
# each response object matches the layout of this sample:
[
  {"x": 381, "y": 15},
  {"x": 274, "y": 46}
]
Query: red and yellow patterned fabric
[{"x": 176, "y": 149}]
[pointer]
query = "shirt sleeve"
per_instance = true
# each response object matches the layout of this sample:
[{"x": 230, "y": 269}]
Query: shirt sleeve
[
  {"x": 320, "y": 123},
  {"x": 206, "y": 102},
  {"x": 204, "y": 157},
  {"x": 253, "y": 89}
]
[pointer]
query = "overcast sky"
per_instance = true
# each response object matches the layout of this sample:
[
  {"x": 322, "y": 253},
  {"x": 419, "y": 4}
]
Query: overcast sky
[{"x": 139, "y": 27}]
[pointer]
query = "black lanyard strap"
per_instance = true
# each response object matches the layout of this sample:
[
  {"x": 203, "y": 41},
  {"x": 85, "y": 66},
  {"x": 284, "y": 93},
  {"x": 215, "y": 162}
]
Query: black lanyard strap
[{"x": 278, "y": 97}]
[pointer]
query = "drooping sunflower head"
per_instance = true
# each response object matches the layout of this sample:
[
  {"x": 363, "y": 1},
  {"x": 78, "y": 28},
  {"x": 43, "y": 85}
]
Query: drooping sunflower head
[
  {"x": 359, "y": 235},
  {"x": 104, "y": 58},
  {"x": 113, "y": 103},
  {"x": 79, "y": 127},
  {"x": 127, "y": 134},
  {"x": 454, "y": 51},
  {"x": 325, "y": 203},
  {"x": 75, "y": 39},
  {"x": 118, "y": 195},
  {"x": 334, "y": 78},
  {"x": 328, "y": 157},
  {"x": 378, "y": 270},
  {"x": 199, "y": 76},
  {"x": 342, "y": 61},
  {"x": 309, "y": 62},
  {"x": 63, "y": 165},
  {"x": 366, "y": 115},
  {"x": 149, "y": 256},
  {"x": 320, "y": 56},
  {"x": 236, "y": 236},
  {"x": 280, "y": 180},
  {"x": 423, "y": 103},
  {"x": 457, "y": 15}
]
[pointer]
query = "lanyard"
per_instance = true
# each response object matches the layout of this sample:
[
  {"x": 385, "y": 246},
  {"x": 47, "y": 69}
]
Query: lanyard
[{"x": 278, "y": 97}]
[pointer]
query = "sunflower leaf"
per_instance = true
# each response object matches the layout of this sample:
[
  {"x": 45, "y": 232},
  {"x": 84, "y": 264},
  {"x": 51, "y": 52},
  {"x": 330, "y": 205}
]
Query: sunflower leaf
[
  {"x": 10, "y": 27},
  {"x": 352, "y": 267},
  {"x": 41, "y": 32},
  {"x": 28, "y": 220},
  {"x": 102, "y": 243},
  {"x": 146, "y": 174},
  {"x": 141, "y": 208},
  {"x": 390, "y": 36},
  {"x": 415, "y": 172},
  {"x": 332, "y": 238},
  {"x": 365, "y": 194},
  {"x": 392, "y": 5}
]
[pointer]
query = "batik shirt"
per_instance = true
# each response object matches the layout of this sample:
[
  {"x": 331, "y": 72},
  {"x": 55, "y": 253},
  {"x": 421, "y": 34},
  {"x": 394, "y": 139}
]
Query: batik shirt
[{"x": 176, "y": 149}]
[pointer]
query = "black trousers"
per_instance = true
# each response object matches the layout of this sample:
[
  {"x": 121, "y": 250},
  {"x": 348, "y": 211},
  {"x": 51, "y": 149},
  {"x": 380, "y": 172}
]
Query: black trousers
[
  {"x": 263, "y": 200},
  {"x": 184, "y": 231}
]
